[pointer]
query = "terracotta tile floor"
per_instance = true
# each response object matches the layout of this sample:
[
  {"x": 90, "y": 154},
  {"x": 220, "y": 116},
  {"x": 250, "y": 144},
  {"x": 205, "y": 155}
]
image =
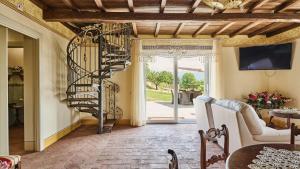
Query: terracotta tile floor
[{"x": 124, "y": 148}]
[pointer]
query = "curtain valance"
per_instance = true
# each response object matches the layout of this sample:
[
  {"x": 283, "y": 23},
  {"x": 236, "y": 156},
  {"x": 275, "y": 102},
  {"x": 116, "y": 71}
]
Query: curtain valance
[{"x": 179, "y": 48}]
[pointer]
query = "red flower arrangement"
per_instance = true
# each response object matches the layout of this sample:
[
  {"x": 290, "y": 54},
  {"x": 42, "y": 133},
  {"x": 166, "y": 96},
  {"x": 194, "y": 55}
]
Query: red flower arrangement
[{"x": 266, "y": 100}]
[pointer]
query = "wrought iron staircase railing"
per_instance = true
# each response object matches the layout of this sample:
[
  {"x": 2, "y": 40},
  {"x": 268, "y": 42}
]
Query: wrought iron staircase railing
[{"x": 92, "y": 56}]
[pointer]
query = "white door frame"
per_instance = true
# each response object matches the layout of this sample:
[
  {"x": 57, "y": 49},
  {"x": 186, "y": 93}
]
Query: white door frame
[{"x": 25, "y": 30}]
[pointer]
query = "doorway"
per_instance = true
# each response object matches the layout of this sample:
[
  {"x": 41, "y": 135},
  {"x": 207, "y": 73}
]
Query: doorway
[
  {"x": 171, "y": 85},
  {"x": 16, "y": 99},
  {"x": 19, "y": 93}
]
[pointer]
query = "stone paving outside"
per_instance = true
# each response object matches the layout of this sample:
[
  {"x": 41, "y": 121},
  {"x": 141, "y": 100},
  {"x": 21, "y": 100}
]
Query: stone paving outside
[
  {"x": 125, "y": 148},
  {"x": 156, "y": 110}
]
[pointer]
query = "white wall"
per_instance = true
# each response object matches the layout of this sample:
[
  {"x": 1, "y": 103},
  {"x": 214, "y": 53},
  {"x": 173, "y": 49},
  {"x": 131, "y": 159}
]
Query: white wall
[
  {"x": 54, "y": 113},
  {"x": 3, "y": 92}
]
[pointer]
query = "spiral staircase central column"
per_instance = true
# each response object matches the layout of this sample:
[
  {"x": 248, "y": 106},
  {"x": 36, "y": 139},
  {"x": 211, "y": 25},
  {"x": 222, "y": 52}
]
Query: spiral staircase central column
[{"x": 100, "y": 107}]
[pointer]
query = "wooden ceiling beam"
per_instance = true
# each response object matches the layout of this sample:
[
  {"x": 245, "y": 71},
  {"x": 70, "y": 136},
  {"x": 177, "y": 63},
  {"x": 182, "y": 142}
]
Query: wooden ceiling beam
[
  {"x": 163, "y": 6},
  {"x": 257, "y": 4},
  {"x": 134, "y": 28},
  {"x": 223, "y": 28},
  {"x": 72, "y": 27},
  {"x": 70, "y": 4},
  {"x": 281, "y": 30},
  {"x": 245, "y": 28},
  {"x": 194, "y": 6},
  {"x": 157, "y": 29},
  {"x": 200, "y": 29},
  {"x": 58, "y": 15},
  {"x": 261, "y": 30},
  {"x": 40, "y": 4},
  {"x": 100, "y": 5},
  {"x": 285, "y": 5},
  {"x": 178, "y": 30},
  {"x": 130, "y": 5}
]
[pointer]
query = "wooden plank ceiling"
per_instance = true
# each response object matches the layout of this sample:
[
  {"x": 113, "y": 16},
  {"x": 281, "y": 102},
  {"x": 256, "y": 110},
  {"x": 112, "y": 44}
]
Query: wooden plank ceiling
[{"x": 177, "y": 17}]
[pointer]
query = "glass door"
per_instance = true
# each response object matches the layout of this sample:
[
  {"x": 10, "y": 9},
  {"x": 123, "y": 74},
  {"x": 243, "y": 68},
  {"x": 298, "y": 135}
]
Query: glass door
[
  {"x": 160, "y": 90},
  {"x": 191, "y": 83},
  {"x": 171, "y": 85}
]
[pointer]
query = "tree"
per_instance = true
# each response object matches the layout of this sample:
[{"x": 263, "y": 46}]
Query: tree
[
  {"x": 159, "y": 77},
  {"x": 200, "y": 85},
  {"x": 188, "y": 81},
  {"x": 166, "y": 77}
]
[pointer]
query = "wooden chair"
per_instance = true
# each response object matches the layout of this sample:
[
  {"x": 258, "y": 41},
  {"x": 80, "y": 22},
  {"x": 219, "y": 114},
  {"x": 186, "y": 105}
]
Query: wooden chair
[
  {"x": 174, "y": 161},
  {"x": 211, "y": 135},
  {"x": 295, "y": 131}
]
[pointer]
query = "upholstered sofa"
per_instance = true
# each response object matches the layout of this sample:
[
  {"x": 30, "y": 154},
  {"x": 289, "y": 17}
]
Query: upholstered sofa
[
  {"x": 204, "y": 117},
  {"x": 245, "y": 127}
]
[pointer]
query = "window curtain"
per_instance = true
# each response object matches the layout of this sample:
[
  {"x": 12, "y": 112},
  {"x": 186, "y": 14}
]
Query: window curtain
[
  {"x": 216, "y": 73},
  {"x": 138, "y": 116}
]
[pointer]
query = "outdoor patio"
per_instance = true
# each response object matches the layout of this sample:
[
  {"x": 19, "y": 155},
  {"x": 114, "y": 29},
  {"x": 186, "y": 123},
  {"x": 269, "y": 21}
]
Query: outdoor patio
[{"x": 165, "y": 110}]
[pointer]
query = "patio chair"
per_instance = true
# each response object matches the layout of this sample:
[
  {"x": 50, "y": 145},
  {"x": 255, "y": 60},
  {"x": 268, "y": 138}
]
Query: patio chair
[
  {"x": 174, "y": 161},
  {"x": 211, "y": 135},
  {"x": 295, "y": 131}
]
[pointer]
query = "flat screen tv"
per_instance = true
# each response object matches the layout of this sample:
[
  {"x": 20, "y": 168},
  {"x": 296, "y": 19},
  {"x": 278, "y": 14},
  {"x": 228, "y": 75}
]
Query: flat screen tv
[{"x": 272, "y": 57}]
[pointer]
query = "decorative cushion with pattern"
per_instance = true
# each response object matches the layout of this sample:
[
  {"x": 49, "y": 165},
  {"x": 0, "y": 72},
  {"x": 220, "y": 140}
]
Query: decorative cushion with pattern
[{"x": 10, "y": 160}]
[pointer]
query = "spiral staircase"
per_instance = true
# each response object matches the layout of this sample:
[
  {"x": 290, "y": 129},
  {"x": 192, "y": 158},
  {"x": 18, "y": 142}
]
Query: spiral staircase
[{"x": 92, "y": 57}]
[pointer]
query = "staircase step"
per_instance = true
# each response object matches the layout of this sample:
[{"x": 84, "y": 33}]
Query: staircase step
[
  {"x": 114, "y": 63},
  {"x": 83, "y": 85},
  {"x": 70, "y": 93},
  {"x": 84, "y": 105},
  {"x": 93, "y": 111},
  {"x": 96, "y": 76},
  {"x": 108, "y": 125},
  {"x": 82, "y": 99}
]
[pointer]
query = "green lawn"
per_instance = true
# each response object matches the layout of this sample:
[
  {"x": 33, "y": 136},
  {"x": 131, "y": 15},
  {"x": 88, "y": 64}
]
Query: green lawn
[{"x": 156, "y": 95}]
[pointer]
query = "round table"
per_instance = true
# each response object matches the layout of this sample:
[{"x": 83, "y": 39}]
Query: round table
[
  {"x": 284, "y": 114},
  {"x": 241, "y": 158}
]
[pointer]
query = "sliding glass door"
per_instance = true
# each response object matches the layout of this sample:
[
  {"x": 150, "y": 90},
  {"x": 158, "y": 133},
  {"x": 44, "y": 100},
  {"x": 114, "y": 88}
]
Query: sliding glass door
[
  {"x": 171, "y": 85},
  {"x": 160, "y": 89},
  {"x": 191, "y": 80}
]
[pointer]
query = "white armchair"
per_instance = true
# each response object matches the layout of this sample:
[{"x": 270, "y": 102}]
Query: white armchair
[
  {"x": 244, "y": 125},
  {"x": 202, "y": 105}
]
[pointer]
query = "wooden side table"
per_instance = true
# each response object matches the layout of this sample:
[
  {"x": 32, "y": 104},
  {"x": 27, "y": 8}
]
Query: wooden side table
[{"x": 284, "y": 114}]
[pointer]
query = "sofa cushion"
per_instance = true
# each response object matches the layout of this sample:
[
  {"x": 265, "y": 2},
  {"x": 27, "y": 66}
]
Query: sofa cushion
[
  {"x": 205, "y": 98},
  {"x": 273, "y": 135},
  {"x": 231, "y": 104},
  {"x": 250, "y": 116}
]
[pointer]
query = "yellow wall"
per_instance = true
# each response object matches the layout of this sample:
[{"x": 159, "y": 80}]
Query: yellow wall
[
  {"x": 288, "y": 81},
  {"x": 15, "y": 57},
  {"x": 123, "y": 79},
  {"x": 238, "y": 84}
]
